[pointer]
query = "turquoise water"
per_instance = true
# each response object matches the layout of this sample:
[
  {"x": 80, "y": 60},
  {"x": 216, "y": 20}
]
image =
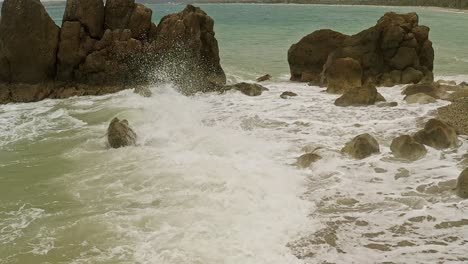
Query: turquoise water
[{"x": 210, "y": 181}]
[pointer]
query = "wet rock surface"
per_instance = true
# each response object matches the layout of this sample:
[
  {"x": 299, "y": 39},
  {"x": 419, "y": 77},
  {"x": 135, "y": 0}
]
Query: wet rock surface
[
  {"x": 119, "y": 134},
  {"x": 361, "y": 146},
  {"x": 250, "y": 89},
  {"x": 405, "y": 147},
  {"x": 437, "y": 134}
]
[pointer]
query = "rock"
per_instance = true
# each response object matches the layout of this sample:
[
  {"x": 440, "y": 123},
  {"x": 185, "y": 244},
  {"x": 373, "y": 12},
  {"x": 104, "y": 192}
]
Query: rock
[
  {"x": 387, "y": 104},
  {"x": 287, "y": 94},
  {"x": 411, "y": 75},
  {"x": 437, "y": 134},
  {"x": 118, "y": 13},
  {"x": 405, "y": 147},
  {"x": 455, "y": 115},
  {"x": 462, "y": 184},
  {"x": 430, "y": 89},
  {"x": 306, "y": 160},
  {"x": 366, "y": 95},
  {"x": 342, "y": 75},
  {"x": 419, "y": 98},
  {"x": 189, "y": 51},
  {"x": 140, "y": 22},
  {"x": 119, "y": 134},
  {"x": 26, "y": 32},
  {"x": 361, "y": 146},
  {"x": 394, "y": 44},
  {"x": 90, "y": 13},
  {"x": 143, "y": 91},
  {"x": 250, "y": 89},
  {"x": 263, "y": 78}
]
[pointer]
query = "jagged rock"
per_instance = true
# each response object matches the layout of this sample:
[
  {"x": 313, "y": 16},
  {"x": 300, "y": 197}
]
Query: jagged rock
[
  {"x": 456, "y": 115},
  {"x": 29, "y": 40},
  {"x": 250, "y": 89},
  {"x": 118, "y": 13},
  {"x": 361, "y": 146},
  {"x": 90, "y": 13},
  {"x": 462, "y": 184},
  {"x": 366, "y": 95},
  {"x": 140, "y": 22},
  {"x": 287, "y": 94},
  {"x": 187, "y": 44},
  {"x": 419, "y": 98},
  {"x": 437, "y": 134},
  {"x": 143, "y": 91},
  {"x": 411, "y": 75},
  {"x": 263, "y": 78},
  {"x": 342, "y": 75},
  {"x": 304, "y": 161},
  {"x": 119, "y": 134},
  {"x": 395, "y": 43},
  {"x": 405, "y": 147}
]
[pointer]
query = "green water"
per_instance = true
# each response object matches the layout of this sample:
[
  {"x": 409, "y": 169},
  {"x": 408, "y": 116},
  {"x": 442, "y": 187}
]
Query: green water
[{"x": 66, "y": 198}]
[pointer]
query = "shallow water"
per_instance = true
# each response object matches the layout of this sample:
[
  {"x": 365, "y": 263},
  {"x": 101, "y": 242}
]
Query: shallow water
[{"x": 211, "y": 179}]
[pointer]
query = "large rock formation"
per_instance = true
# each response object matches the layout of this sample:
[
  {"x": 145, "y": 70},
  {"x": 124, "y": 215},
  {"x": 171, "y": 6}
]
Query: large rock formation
[
  {"x": 29, "y": 40},
  {"x": 396, "y": 50},
  {"x": 104, "y": 48}
]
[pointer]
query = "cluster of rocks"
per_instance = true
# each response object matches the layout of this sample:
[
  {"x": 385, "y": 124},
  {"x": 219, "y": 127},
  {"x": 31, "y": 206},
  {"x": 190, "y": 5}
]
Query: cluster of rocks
[
  {"x": 396, "y": 50},
  {"x": 102, "y": 48}
]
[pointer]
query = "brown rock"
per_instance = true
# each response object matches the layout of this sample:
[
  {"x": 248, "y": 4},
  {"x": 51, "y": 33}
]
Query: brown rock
[
  {"x": 437, "y": 134},
  {"x": 263, "y": 78},
  {"x": 405, "y": 147},
  {"x": 405, "y": 57},
  {"x": 27, "y": 31},
  {"x": 250, "y": 89},
  {"x": 462, "y": 184},
  {"x": 90, "y": 13},
  {"x": 119, "y": 134},
  {"x": 411, "y": 75},
  {"x": 366, "y": 95},
  {"x": 118, "y": 13},
  {"x": 342, "y": 75},
  {"x": 287, "y": 94},
  {"x": 143, "y": 91},
  {"x": 361, "y": 146},
  {"x": 140, "y": 22},
  {"x": 304, "y": 161},
  {"x": 419, "y": 98},
  {"x": 69, "y": 55}
]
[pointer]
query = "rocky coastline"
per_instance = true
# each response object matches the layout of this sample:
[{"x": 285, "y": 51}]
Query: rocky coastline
[{"x": 103, "y": 48}]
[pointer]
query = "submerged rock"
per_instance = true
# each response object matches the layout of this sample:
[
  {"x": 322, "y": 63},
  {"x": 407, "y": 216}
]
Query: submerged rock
[
  {"x": 358, "y": 96},
  {"x": 397, "y": 49},
  {"x": 462, "y": 184},
  {"x": 250, "y": 89},
  {"x": 419, "y": 98},
  {"x": 287, "y": 94},
  {"x": 306, "y": 160},
  {"x": 143, "y": 91},
  {"x": 263, "y": 78},
  {"x": 456, "y": 115},
  {"x": 405, "y": 147},
  {"x": 361, "y": 146},
  {"x": 437, "y": 134},
  {"x": 119, "y": 134}
]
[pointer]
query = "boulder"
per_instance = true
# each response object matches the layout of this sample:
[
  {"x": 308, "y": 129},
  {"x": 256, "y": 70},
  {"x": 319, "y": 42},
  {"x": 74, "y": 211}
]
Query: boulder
[
  {"x": 462, "y": 184},
  {"x": 411, "y": 75},
  {"x": 361, "y": 146},
  {"x": 342, "y": 75},
  {"x": 140, "y": 22},
  {"x": 366, "y": 95},
  {"x": 437, "y": 134},
  {"x": 26, "y": 32},
  {"x": 431, "y": 89},
  {"x": 387, "y": 104},
  {"x": 118, "y": 13},
  {"x": 90, "y": 13},
  {"x": 304, "y": 161},
  {"x": 263, "y": 78},
  {"x": 143, "y": 91},
  {"x": 456, "y": 115},
  {"x": 405, "y": 147},
  {"x": 397, "y": 42},
  {"x": 119, "y": 134},
  {"x": 250, "y": 89},
  {"x": 419, "y": 98},
  {"x": 287, "y": 94},
  {"x": 189, "y": 52}
]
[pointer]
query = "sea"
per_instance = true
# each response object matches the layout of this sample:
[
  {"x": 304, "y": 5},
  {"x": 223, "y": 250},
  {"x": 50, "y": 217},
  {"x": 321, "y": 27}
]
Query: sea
[{"x": 212, "y": 179}]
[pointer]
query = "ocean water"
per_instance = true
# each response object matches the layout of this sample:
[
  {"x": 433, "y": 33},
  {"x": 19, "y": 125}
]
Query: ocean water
[{"x": 211, "y": 179}]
